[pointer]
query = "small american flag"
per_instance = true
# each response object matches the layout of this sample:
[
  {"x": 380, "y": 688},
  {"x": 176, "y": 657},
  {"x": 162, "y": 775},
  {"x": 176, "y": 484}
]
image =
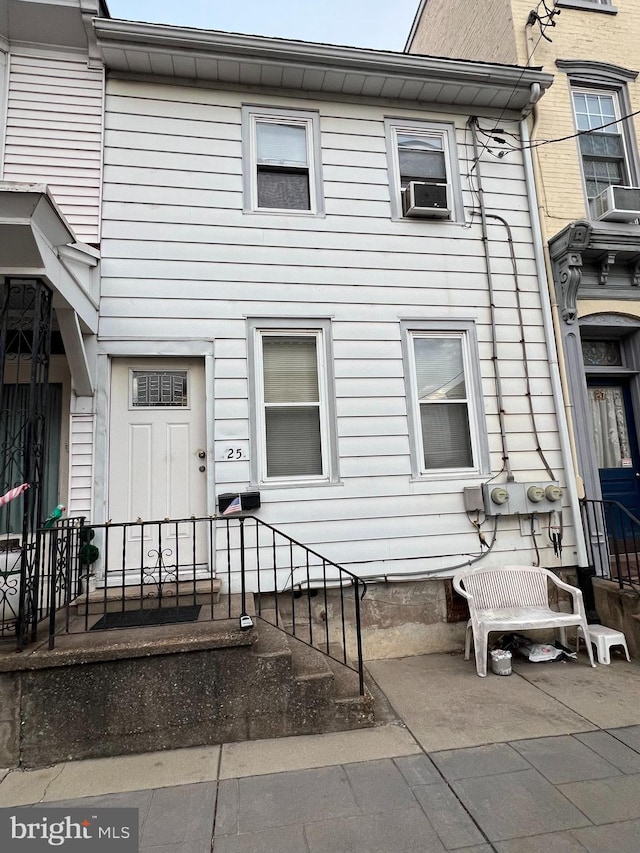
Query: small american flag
[{"x": 234, "y": 506}]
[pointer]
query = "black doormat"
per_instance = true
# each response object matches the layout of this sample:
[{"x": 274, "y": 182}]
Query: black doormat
[{"x": 144, "y": 618}]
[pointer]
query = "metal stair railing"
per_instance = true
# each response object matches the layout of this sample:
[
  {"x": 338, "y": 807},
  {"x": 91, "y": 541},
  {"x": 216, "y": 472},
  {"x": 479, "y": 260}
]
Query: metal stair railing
[
  {"x": 302, "y": 593},
  {"x": 612, "y": 536}
]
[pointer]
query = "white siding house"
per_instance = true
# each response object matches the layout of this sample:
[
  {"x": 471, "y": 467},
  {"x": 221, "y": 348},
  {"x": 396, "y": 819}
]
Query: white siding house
[{"x": 318, "y": 283}]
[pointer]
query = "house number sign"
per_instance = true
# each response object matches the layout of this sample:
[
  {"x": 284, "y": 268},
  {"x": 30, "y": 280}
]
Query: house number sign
[{"x": 232, "y": 453}]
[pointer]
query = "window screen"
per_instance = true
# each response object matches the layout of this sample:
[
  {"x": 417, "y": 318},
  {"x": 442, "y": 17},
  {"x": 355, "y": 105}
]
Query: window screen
[
  {"x": 442, "y": 401},
  {"x": 282, "y": 166},
  {"x": 602, "y": 149},
  {"x": 292, "y": 406},
  {"x": 421, "y": 157}
]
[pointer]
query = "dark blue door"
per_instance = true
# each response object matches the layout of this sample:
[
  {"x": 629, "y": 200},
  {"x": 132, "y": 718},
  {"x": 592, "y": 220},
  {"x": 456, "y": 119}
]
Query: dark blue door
[{"x": 616, "y": 441}]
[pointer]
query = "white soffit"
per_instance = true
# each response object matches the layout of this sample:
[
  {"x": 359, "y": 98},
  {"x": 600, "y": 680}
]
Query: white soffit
[{"x": 212, "y": 56}]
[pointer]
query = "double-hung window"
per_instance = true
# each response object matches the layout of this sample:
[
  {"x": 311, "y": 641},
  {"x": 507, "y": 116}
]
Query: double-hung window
[
  {"x": 292, "y": 382},
  {"x": 281, "y": 161},
  {"x": 444, "y": 402},
  {"x": 602, "y": 150},
  {"x": 423, "y": 170}
]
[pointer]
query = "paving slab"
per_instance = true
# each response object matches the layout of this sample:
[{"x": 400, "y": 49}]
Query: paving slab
[
  {"x": 276, "y": 755},
  {"x": 494, "y": 709},
  {"x": 418, "y": 769},
  {"x": 553, "y": 842},
  {"x": 479, "y": 761},
  {"x": 606, "y": 800},
  {"x": 283, "y": 799},
  {"x": 404, "y": 831},
  {"x": 451, "y": 821},
  {"x": 379, "y": 786},
  {"x": 609, "y": 747},
  {"x": 180, "y": 814},
  {"x": 514, "y": 805},
  {"x": 564, "y": 759},
  {"x": 620, "y": 837},
  {"x": 630, "y": 735},
  {"x": 607, "y": 696},
  {"x": 97, "y": 776},
  {"x": 284, "y": 839}
]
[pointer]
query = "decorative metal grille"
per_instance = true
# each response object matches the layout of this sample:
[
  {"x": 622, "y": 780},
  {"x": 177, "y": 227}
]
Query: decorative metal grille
[
  {"x": 159, "y": 388},
  {"x": 602, "y": 353},
  {"x": 25, "y": 350}
]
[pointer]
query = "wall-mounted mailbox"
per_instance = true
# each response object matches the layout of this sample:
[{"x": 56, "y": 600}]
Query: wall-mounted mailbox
[{"x": 232, "y": 502}]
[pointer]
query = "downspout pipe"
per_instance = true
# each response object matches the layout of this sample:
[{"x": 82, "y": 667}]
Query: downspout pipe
[{"x": 547, "y": 321}]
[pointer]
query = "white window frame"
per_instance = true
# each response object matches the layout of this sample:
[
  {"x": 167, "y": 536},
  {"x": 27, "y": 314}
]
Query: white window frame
[
  {"x": 320, "y": 331},
  {"x": 251, "y": 117},
  {"x": 614, "y": 94},
  {"x": 465, "y": 332},
  {"x": 444, "y": 131}
]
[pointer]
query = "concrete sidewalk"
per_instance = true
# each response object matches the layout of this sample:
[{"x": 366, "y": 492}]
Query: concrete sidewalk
[{"x": 547, "y": 759}]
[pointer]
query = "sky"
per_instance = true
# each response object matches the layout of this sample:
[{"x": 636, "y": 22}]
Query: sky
[{"x": 378, "y": 24}]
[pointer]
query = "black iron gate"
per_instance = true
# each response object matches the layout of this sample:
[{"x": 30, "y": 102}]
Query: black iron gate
[{"x": 25, "y": 352}]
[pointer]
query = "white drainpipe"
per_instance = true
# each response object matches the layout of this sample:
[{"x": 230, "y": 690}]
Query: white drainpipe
[{"x": 547, "y": 320}]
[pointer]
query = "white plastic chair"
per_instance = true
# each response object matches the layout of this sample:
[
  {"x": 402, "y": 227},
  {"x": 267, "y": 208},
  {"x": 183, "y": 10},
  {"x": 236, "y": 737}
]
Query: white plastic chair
[{"x": 514, "y": 598}]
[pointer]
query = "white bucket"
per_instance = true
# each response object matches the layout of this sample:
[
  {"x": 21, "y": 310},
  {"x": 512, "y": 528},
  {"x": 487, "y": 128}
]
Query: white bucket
[{"x": 501, "y": 662}]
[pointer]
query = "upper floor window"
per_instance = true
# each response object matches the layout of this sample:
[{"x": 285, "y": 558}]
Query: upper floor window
[
  {"x": 603, "y": 150},
  {"x": 423, "y": 171},
  {"x": 281, "y": 161}
]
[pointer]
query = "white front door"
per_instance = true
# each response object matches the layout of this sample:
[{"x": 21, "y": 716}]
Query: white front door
[{"x": 157, "y": 462}]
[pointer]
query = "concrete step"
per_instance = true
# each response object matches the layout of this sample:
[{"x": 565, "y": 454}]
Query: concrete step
[{"x": 111, "y": 598}]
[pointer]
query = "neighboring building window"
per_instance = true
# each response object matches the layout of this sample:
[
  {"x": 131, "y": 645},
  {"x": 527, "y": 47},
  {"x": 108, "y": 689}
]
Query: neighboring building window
[
  {"x": 292, "y": 382},
  {"x": 423, "y": 153},
  {"x": 444, "y": 394},
  {"x": 590, "y": 5},
  {"x": 281, "y": 157},
  {"x": 603, "y": 151}
]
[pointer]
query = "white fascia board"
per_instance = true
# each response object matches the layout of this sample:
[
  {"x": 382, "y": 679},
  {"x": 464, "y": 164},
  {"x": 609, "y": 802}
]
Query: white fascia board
[{"x": 190, "y": 41}]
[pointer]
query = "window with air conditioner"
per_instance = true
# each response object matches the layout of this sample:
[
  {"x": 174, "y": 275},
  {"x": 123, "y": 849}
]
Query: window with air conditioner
[
  {"x": 292, "y": 383},
  {"x": 281, "y": 161},
  {"x": 589, "y": 5},
  {"x": 423, "y": 171},
  {"x": 444, "y": 399}
]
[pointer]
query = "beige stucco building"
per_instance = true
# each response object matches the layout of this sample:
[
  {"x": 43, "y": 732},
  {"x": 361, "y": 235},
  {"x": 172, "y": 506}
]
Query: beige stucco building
[{"x": 585, "y": 140}]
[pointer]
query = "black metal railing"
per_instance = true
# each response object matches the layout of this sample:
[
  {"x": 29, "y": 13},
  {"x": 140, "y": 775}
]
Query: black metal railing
[
  {"x": 80, "y": 578},
  {"x": 301, "y": 592},
  {"x": 612, "y": 536},
  {"x": 39, "y": 575}
]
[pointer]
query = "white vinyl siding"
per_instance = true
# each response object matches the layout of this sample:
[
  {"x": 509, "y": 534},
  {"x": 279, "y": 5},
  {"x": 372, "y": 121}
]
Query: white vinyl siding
[
  {"x": 54, "y": 134},
  {"x": 182, "y": 261}
]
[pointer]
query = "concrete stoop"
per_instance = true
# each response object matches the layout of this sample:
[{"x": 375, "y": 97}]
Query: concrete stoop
[{"x": 145, "y": 689}]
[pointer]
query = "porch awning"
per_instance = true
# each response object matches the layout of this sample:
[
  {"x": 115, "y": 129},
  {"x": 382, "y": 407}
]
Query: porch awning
[{"x": 37, "y": 242}]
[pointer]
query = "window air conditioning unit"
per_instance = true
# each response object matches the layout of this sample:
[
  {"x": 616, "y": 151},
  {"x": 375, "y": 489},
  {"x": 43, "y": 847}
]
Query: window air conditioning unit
[
  {"x": 617, "y": 204},
  {"x": 429, "y": 200}
]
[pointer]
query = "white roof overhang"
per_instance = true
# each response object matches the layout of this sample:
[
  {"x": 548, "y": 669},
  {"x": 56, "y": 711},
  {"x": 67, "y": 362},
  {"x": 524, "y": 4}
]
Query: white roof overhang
[
  {"x": 230, "y": 58},
  {"x": 37, "y": 242}
]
